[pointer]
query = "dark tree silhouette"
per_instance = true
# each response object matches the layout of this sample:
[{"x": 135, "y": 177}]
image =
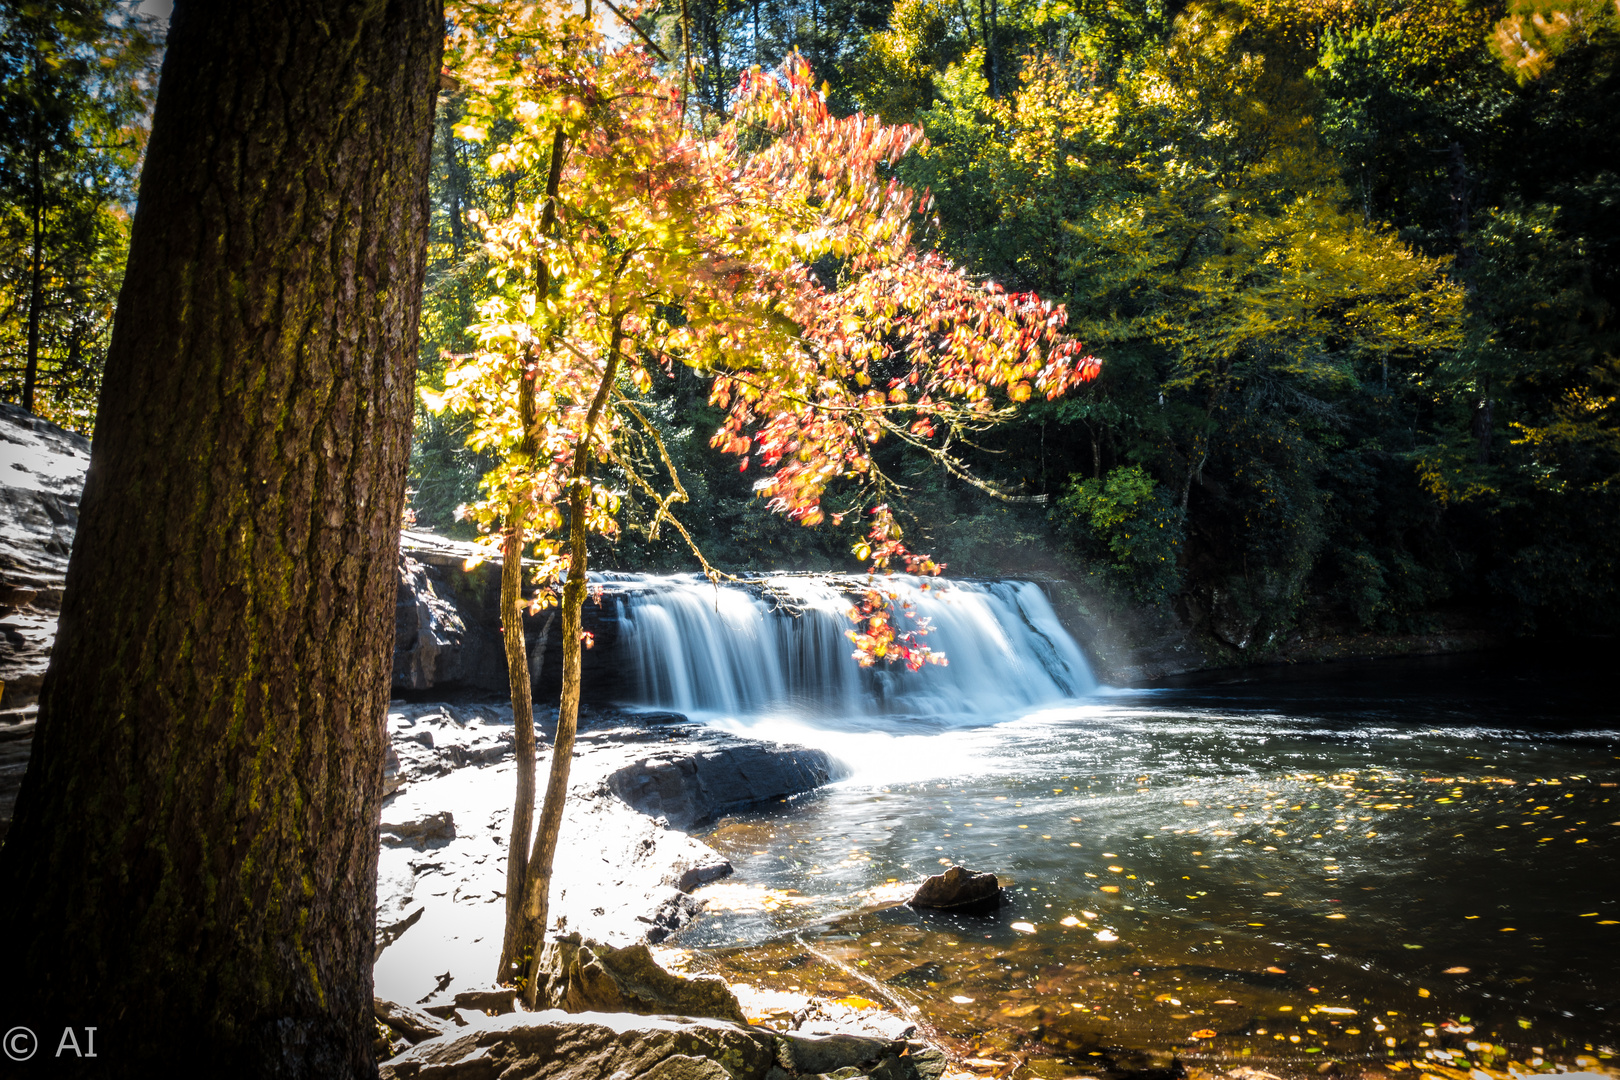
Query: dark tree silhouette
[{"x": 192, "y": 867}]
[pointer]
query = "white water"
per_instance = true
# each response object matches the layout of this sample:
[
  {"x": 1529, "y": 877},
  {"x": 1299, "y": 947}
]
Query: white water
[{"x": 725, "y": 653}]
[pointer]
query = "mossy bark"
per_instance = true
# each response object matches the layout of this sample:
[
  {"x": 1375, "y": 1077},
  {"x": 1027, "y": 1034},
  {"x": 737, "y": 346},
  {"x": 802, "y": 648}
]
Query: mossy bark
[{"x": 192, "y": 868}]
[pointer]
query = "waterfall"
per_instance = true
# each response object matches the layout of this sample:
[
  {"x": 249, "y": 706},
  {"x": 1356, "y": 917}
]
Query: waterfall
[{"x": 781, "y": 650}]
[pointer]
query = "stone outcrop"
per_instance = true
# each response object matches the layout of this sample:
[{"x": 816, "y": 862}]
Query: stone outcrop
[
  {"x": 587, "y": 976},
  {"x": 554, "y": 1045},
  {"x": 958, "y": 888}
]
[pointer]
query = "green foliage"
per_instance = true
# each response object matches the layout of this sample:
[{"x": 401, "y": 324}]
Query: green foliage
[
  {"x": 1353, "y": 280},
  {"x": 1131, "y": 522},
  {"x": 77, "y": 79}
]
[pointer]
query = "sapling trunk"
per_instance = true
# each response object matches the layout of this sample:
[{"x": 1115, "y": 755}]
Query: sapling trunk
[
  {"x": 537, "y": 890},
  {"x": 523, "y": 749}
]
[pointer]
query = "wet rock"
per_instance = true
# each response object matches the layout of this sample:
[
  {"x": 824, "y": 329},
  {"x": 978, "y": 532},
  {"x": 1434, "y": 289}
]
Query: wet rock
[
  {"x": 688, "y": 789},
  {"x": 809, "y": 1055},
  {"x": 958, "y": 887},
  {"x": 587, "y": 976}
]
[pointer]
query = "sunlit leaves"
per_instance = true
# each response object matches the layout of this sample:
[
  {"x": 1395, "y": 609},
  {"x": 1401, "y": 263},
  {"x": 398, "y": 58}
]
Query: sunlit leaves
[{"x": 669, "y": 245}]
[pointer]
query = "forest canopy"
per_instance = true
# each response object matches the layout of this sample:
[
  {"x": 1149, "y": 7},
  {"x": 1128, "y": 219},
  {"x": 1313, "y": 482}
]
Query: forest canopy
[{"x": 1350, "y": 268}]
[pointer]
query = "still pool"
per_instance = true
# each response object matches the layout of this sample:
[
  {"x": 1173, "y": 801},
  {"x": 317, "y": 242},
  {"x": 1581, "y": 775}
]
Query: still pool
[{"x": 1365, "y": 864}]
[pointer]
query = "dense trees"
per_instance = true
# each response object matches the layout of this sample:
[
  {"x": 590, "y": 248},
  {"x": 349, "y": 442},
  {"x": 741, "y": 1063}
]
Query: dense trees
[
  {"x": 75, "y": 86},
  {"x": 193, "y": 861},
  {"x": 1351, "y": 266}
]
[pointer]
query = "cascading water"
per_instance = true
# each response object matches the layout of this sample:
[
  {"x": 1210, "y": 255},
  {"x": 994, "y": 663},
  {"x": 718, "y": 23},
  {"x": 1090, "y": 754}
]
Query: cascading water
[{"x": 781, "y": 650}]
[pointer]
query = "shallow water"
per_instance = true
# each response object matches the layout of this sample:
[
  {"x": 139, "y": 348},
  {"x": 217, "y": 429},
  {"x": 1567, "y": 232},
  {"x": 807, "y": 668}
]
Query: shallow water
[{"x": 1358, "y": 862}]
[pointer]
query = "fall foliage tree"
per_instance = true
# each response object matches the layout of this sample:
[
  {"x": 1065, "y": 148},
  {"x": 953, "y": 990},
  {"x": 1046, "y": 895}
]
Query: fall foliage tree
[{"x": 771, "y": 254}]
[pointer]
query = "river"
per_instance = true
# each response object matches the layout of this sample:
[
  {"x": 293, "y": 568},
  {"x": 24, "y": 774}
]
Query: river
[{"x": 1363, "y": 863}]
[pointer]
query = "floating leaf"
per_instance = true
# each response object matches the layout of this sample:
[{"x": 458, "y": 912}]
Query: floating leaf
[{"x": 1203, "y": 1033}]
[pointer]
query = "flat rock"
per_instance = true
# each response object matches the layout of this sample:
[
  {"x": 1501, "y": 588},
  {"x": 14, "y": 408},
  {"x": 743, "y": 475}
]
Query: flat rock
[
  {"x": 554, "y": 1045},
  {"x": 958, "y": 887}
]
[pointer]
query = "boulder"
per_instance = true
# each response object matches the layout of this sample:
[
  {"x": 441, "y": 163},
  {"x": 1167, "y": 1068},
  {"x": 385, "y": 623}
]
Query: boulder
[
  {"x": 440, "y": 826},
  {"x": 958, "y": 887},
  {"x": 577, "y": 975},
  {"x": 688, "y": 789},
  {"x": 604, "y": 1046}
]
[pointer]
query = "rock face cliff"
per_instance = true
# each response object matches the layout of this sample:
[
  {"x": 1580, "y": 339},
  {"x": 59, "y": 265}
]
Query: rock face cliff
[{"x": 42, "y": 471}]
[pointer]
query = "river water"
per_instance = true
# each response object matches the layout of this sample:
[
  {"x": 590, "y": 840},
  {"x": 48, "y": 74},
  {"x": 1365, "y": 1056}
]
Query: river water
[
  {"x": 1373, "y": 862},
  {"x": 1365, "y": 863}
]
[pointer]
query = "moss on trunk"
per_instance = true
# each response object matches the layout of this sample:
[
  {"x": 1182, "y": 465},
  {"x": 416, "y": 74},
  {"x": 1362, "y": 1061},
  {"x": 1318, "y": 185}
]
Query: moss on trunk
[{"x": 192, "y": 867}]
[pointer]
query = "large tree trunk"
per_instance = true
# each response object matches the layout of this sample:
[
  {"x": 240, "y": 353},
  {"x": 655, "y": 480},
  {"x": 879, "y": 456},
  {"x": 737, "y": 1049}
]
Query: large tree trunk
[{"x": 192, "y": 867}]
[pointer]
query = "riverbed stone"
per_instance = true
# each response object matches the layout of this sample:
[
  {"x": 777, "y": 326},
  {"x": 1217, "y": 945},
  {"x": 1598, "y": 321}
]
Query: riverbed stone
[
  {"x": 958, "y": 887},
  {"x": 577, "y": 975}
]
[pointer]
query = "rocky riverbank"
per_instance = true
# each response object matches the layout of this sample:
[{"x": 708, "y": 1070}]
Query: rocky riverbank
[{"x": 625, "y": 867}]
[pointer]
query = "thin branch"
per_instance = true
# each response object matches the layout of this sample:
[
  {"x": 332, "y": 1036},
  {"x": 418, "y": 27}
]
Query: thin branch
[{"x": 611, "y": 6}]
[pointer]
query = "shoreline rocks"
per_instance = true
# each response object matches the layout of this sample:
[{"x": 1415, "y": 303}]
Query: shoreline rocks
[
  {"x": 625, "y": 870},
  {"x": 554, "y": 1045}
]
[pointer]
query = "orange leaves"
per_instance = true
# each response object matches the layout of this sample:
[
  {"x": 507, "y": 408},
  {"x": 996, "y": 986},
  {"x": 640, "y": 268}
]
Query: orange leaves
[{"x": 670, "y": 245}]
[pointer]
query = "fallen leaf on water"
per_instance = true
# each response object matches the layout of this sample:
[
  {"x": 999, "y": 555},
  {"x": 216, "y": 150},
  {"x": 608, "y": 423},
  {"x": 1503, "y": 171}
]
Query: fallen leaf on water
[
  {"x": 962, "y": 1000},
  {"x": 1203, "y": 1033},
  {"x": 1069, "y": 920},
  {"x": 1276, "y": 971},
  {"x": 1109, "y": 888},
  {"x": 1107, "y": 935},
  {"x": 1226, "y": 1001},
  {"x": 1335, "y": 1010},
  {"x": 983, "y": 1063},
  {"x": 1024, "y": 927},
  {"x": 858, "y": 1002},
  {"x": 1456, "y": 971}
]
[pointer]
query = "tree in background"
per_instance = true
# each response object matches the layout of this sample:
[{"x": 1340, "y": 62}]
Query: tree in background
[
  {"x": 76, "y": 84},
  {"x": 192, "y": 867}
]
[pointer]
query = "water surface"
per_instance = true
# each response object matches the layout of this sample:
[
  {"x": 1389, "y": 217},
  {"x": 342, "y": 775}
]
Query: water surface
[{"x": 1362, "y": 863}]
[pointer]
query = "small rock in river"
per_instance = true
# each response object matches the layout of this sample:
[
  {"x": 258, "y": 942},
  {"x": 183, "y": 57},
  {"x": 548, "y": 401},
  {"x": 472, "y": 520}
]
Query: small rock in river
[{"x": 958, "y": 887}]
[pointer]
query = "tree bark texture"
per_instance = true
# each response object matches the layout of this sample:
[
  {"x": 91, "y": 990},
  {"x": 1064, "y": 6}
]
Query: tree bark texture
[{"x": 192, "y": 867}]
